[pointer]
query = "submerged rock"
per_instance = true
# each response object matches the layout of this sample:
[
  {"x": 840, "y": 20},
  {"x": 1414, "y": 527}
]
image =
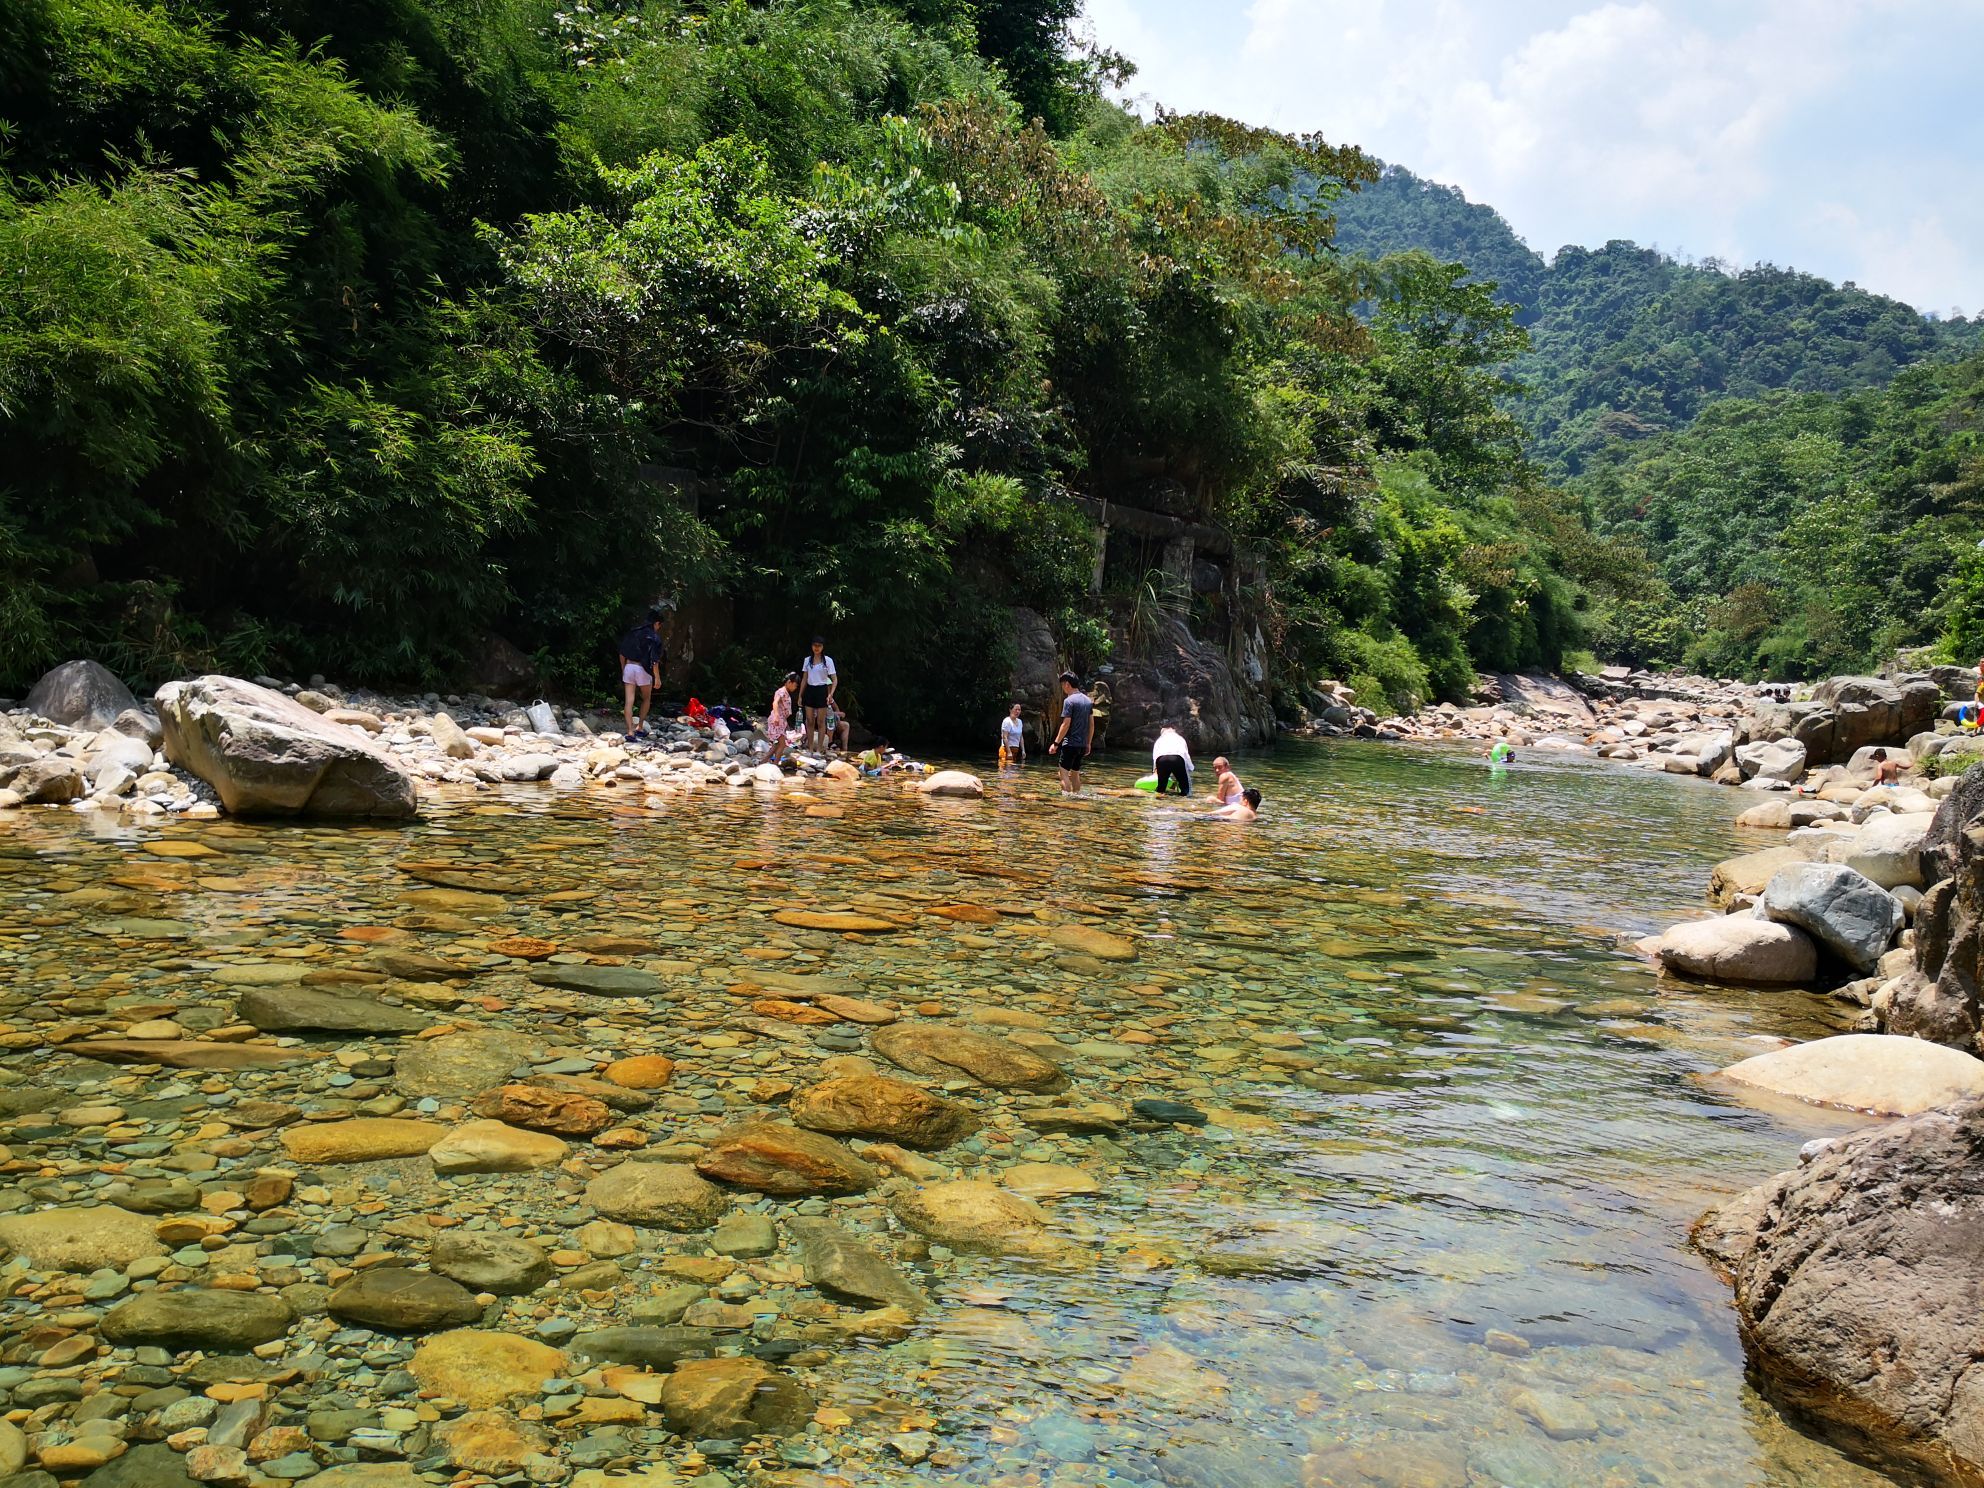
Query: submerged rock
[
  {"x": 80, "y": 1240},
  {"x": 669, "y": 1196},
  {"x": 1857, "y": 1277},
  {"x": 732, "y": 1399},
  {"x": 935, "y": 1049},
  {"x": 199, "y": 1318},
  {"x": 978, "y": 1216},
  {"x": 483, "y": 1369},
  {"x": 772, "y": 1157},
  {"x": 849, "y": 1269},
  {"x": 293, "y": 1009},
  {"x": 876, "y": 1106}
]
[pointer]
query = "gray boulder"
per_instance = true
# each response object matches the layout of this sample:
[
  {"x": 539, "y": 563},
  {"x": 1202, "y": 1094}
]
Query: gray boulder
[
  {"x": 268, "y": 755},
  {"x": 1844, "y": 910},
  {"x": 1781, "y": 760},
  {"x": 1857, "y": 1280},
  {"x": 80, "y": 694},
  {"x": 1868, "y": 710}
]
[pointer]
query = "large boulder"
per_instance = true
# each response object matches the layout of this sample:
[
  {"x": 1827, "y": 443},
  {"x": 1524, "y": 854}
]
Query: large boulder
[
  {"x": 1782, "y": 761},
  {"x": 1889, "y": 849},
  {"x": 1872, "y": 1072},
  {"x": 1740, "y": 949},
  {"x": 1868, "y": 710},
  {"x": 80, "y": 694},
  {"x": 1810, "y": 725},
  {"x": 1845, "y": 911},
  {"x": 1858, "y": 1276},
  {"x": 1711, "y": 750},
  {"x": 268, "y": 755}
]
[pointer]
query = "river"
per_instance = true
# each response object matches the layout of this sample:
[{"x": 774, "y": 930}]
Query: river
[{"x": 1433, "y": 1232}]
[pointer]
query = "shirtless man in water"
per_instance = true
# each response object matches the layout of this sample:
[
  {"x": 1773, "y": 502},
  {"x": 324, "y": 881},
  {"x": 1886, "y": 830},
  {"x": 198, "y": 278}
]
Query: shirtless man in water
[{"x": 1246, "y": 809}]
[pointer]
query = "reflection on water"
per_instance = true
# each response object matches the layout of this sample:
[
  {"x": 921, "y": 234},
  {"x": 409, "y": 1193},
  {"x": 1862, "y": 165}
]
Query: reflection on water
[{"x": 1434, "y": 1230}]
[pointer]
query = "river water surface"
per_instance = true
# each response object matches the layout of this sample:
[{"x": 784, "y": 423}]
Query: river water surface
[{"x": 1433, "y": 1232}]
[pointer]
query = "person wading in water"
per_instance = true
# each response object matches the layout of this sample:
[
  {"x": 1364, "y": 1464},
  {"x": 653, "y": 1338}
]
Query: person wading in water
[{"x": 1071, "y": 739}]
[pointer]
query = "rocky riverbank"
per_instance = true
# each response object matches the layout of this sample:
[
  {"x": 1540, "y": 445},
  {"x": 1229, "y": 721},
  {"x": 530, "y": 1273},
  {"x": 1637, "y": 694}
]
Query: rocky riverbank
[
  {"x": 221, "y": 745},
  {"x": 1856, "y": 1273},
  {"x": 1764, "y": 735}
]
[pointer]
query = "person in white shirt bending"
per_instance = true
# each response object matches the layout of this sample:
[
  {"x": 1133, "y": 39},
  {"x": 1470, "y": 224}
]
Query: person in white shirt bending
[
  {"x": 818, "y": 683},
  {"x": 1171, "y": 757}
]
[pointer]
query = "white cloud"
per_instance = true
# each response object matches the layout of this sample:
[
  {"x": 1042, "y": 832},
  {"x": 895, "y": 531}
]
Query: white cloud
[{"x": 1675, "y": 122}]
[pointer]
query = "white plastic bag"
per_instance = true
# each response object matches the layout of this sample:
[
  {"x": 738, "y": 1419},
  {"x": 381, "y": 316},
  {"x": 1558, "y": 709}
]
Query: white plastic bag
[{"x": 542, "y": 718}]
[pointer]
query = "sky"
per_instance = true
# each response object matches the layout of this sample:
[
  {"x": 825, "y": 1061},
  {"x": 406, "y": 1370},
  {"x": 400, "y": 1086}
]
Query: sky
[{"x": 1842, "y": 137}]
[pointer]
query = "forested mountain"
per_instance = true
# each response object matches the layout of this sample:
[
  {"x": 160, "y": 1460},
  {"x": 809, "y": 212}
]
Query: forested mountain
[
  {"x": 1626, "y": 342},
  {"x": 1401, "y": 213},
  {"x": 1804, "y": 533},
  {"x": 340, "y": 336}
]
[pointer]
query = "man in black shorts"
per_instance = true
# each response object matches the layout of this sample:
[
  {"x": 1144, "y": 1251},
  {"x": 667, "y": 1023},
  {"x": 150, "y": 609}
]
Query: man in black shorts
[{"x": 1071, "y": 739}]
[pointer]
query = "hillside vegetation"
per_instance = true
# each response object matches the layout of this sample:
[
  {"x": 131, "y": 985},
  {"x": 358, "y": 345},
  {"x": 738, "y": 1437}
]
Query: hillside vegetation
[
  {"x": 1799, "y": 462},
  {"x": 349, "y": 335}
]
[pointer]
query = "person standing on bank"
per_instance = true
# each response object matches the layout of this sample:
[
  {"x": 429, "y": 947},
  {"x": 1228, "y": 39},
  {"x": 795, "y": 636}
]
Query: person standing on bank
[
  {"x": 1012, "y": 738},
  {"x": 819, "y": 683},
  {"x": 1071, "y": 739},
  {"x": 1171, "y": 757},
  {"x": 641, "y": 656}
]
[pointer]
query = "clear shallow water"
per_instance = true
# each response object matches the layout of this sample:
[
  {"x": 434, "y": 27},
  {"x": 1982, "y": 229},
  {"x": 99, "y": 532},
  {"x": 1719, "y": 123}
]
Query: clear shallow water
[{"x": 1434, "y": 1233}]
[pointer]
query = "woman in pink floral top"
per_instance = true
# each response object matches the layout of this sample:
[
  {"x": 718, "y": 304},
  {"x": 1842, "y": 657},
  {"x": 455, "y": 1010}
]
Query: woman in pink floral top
[{"x": 778, "y": 722}]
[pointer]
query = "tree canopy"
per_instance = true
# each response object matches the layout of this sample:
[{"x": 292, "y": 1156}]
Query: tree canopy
[{"x": 350, "y": 334}]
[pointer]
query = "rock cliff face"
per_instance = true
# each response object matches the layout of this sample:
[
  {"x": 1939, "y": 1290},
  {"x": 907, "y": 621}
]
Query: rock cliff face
[
  {"x": 1860, "y": 1287},
  {"x": 1941, "y": 998},
  {"x": 1173, "y": 678},
  {"x": 1192, "y": 685}
]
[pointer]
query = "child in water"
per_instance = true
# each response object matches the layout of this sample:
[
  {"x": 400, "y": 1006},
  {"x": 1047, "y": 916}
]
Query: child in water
[{"x": 1501, "y": 752}]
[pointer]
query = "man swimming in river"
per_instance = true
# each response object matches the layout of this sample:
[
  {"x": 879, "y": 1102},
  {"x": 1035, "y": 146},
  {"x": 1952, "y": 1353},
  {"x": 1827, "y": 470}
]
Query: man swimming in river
[{"x": 1246, "y": 809}]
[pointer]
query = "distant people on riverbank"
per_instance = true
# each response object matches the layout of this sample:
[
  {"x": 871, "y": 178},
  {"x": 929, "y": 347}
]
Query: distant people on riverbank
[
  {"x": 1225, "y": 784},
  {"x": 1246, "y": 809},
  {"x": 778, "y": 719},
  {"x": 641, "y": 656},
  {"x": 1072, "y": 738},
  {"x": 821, "y": 682},
  {"x": 1012, "y": 738},
  {"x": 1171, "y": 757}
]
